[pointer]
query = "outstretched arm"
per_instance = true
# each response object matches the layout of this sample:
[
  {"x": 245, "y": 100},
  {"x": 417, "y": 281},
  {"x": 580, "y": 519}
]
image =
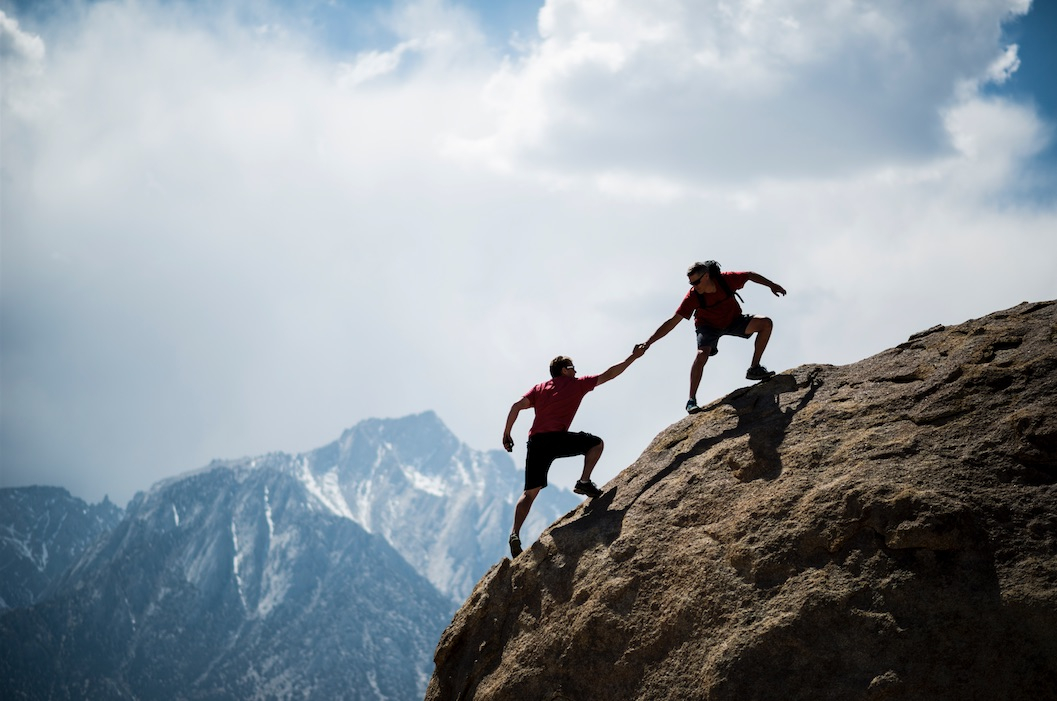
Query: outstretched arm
[
  {"x": 621, "y": 367},
  {"x": 761, "y": 280},
  {"x": 518, "y": 406},
  {"x": 661, "y": 332}
]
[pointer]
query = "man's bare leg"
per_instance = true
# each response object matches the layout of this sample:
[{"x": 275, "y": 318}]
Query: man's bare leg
[
  {"x": 762, "y": 327},
  {"x": 591, "y": 458},
  {"x": 521, "y": 511},
  {"x": 697, "y": 370}
]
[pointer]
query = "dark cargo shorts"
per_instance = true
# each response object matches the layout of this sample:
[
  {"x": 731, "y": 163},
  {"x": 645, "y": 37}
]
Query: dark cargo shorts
[{"x": 708, "y": 336}]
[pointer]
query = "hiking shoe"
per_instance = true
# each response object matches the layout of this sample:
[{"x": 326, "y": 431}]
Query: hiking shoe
[
  {"x": 692, "y": 407},
  {"x": 515, "y": 545},
  {"x": 587, "y": 488},
  {"x": 758, "y": 372}
]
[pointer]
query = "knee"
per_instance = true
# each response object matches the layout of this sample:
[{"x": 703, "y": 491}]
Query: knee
[{"x": 761, "y": 323}]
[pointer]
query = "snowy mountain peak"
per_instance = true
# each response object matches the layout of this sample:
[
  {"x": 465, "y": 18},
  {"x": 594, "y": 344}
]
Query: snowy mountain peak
[
  {"x": 420, "y": 441},
  {"x": 445, "y": 507}
]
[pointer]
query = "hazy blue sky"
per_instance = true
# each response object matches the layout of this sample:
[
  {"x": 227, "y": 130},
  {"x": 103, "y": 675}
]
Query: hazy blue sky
[{"x": 235, "y": 227}]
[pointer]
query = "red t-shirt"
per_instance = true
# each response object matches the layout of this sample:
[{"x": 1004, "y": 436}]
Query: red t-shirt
[
  {"x": 720, "y": 311},
  {"x": 557, "y": 400}
]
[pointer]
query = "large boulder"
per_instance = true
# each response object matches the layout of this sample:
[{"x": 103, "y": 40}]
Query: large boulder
[{"x": 880, "y": 530}]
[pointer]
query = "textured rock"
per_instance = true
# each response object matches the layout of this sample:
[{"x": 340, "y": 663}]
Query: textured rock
[{"x": 880, "y": 530}]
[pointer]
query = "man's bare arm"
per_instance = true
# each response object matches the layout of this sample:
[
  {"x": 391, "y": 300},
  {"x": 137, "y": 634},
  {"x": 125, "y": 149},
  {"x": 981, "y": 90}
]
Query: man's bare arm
[
  {"x": 622, "y": 366},
  {"x": 761, "y": 280},
  {"x": 515, "y": 409},
  {"x": 661, "y": 332}
]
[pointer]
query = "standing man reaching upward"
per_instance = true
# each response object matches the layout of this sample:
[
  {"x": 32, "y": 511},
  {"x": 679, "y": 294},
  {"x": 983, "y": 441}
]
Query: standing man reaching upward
[
  {"x": 717, "y": 313},
  {"x": 555, "y": 402}
]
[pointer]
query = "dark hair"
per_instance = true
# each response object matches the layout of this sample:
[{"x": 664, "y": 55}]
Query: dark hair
[
  {"x": 560, "y": 363},
  {"x": 712, "y": 268},
  {"x": 709, "y": 266}
]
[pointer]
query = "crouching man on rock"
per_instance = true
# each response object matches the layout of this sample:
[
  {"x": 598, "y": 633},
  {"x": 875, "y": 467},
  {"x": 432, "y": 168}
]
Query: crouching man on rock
[
  {"x": 711, "y": 300},
  {"x": 556, "y": 402}
]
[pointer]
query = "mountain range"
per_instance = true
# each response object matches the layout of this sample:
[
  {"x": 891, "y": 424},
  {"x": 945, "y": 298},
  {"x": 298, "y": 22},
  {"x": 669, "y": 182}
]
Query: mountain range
[{"x": 324, "y": 575}]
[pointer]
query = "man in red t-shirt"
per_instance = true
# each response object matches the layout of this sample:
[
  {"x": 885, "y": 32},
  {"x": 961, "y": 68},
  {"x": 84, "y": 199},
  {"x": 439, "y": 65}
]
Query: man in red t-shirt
[
  {"x": 555, "y": 402},
  {"x": 711, "y": 300}
]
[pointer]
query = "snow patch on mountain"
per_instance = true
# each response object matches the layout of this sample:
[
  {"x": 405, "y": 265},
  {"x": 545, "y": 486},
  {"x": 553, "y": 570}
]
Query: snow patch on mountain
[
  {"x": 239, "y": 554},
  {"x": 326, "y": 488},
  {"x": 433, "y": 485},
  {"x": 268, "y": 513}
]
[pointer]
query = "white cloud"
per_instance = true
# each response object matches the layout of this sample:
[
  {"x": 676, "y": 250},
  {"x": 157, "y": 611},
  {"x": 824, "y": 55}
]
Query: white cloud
[
  {"x": 1004, "y": 66},
  {"x": 996, "y": 137},
  {"x": 22, "y": 55},
  {"x": 719, "y": 91},
  {"x": 17, "y": 45},
  {"x": 370, "y": 65},
  {"x": 221, "y": 241}
]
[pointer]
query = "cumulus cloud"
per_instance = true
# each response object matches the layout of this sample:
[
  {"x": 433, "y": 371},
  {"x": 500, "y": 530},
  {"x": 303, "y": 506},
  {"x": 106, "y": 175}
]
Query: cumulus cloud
[
  {"x": 1004, "y": 66},
  {"x": 207, "y": 225},
  {"x": 223, "y": 237},
  {"x": 717, "y": 91}
]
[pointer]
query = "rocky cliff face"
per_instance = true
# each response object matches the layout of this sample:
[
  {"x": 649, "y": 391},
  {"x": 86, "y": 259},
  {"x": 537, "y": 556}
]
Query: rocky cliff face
[{"x": 881, "y": 530}]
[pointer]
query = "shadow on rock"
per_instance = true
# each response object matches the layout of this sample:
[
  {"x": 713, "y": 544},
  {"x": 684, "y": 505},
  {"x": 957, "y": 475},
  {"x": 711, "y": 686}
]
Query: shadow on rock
[{"x": 760, "y": 417}]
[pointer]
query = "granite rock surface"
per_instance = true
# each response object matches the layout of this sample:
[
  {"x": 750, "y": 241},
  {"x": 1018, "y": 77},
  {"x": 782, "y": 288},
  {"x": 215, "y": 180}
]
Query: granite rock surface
[{"x": 880, "y": 530}]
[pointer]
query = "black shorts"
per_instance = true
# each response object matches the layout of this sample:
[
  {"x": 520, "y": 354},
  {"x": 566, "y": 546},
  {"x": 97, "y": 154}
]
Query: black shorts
[
  {"x": 708, "y": 336},
  {"x": 544, "y": 448}
]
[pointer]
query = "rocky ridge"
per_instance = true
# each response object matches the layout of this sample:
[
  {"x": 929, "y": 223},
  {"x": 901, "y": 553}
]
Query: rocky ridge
[
  {"x": 880, "y": 530},
  {"x": 43, "y": 531},
  {"x": 228, "y": 584}
]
